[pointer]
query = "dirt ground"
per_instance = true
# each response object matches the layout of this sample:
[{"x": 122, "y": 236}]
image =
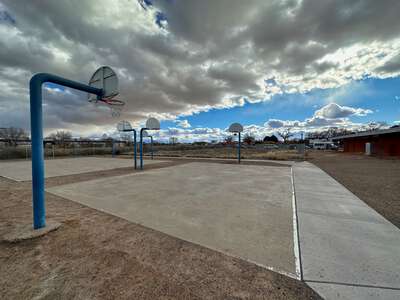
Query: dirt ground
[
  {"x": 374, "y": 180},
  {"x": 94, "y": 255}
]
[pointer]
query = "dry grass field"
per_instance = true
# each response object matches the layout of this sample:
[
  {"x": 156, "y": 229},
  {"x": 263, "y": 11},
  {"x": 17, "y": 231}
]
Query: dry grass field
[{"x": 246, "y": 153}]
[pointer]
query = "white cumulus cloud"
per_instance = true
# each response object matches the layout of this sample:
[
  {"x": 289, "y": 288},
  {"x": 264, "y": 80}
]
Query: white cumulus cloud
[
  {"x": 335, "y": 111},
  {"x": 183, "y": 123}
]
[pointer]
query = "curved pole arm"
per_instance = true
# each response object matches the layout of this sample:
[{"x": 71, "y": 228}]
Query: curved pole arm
[{"x": 38, "y": 79}]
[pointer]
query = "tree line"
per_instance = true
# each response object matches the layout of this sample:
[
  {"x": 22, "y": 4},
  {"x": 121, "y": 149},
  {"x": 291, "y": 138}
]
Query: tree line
[{"x": 12, "y": 135}]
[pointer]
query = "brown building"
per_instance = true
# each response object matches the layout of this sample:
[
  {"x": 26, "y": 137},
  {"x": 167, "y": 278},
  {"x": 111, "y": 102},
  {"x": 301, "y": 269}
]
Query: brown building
[{"x": 384, "y": 142}]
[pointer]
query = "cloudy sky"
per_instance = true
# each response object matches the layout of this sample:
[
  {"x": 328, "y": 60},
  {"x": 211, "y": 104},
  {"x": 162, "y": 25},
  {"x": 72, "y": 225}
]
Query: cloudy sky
[{"x": 200, "y": 65}]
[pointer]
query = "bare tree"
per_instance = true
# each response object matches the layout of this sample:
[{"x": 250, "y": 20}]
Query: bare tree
[
  {"x": 285, "y": 133},
  {"x": 173, "y": 140},
  {"x": 126, "y": 136},
  {"x": 12, "y": 135},
  {"x": 60, "y": 137},
  {"x": 329, "y": 133},
  {"x": 376, "y": 125},
  {"x": 228, "y": 140},
  {"x": 249, "y": 139}
]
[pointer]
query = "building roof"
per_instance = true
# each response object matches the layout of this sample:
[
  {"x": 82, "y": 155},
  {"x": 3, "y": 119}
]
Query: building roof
[{"x": 368, "y": 133}]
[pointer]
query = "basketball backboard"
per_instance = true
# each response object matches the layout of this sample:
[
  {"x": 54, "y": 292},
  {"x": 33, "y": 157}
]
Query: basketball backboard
[
  {"x": 152, "y": 124},
  {"x": 104, "y": 78},
  {"x": 235, "y": 127},
  {"x": 124, "y": 126}
]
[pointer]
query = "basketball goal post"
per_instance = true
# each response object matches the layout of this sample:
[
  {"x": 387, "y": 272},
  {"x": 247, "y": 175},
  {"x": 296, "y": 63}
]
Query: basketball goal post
[
  {"x": 151, "y": 124},
  {"x": 125, "y": 126},
  {"x": 237, "y": 128},
  {"x": 102, "y": 93}
]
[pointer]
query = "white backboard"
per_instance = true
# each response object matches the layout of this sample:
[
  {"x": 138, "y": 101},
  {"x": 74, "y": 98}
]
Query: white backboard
[
  {"x": 235, "y": 127},
  {"x": 106, "y": 79},
  {"x": 152, "y": 124},
  {"x": 124, "y": 125}
]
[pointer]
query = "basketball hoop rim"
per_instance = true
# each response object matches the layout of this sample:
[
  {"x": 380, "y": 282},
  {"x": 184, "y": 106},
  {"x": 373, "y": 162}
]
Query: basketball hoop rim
[
  {"x": 115, "y": 102},
  {"x": 110, "y": 101}
]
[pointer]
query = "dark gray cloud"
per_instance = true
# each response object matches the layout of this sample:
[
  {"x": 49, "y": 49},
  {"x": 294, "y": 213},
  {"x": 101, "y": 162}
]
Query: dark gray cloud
[
  {"x": 391, "y": 66},
  {"x": 210, "y": 54},
  {"x": 274, "y": 123}
]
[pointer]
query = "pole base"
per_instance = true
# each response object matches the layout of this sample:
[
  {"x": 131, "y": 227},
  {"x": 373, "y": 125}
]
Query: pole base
[{"x": 26, "y": 232}]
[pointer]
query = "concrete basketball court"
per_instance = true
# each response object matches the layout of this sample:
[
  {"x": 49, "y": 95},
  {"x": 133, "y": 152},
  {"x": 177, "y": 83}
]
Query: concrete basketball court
[
  {"x": 244, "y": 211},
  {"x": 295, "y": 220},
  {"x": 22, "y": 170}
]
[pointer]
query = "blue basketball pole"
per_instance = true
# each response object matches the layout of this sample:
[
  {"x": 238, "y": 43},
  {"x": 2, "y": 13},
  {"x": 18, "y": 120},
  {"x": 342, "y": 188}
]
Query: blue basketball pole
[
  {"x": 135, "y": 148},
  {"x": 151, "y": 147},
  {"x": 239, "y": 147},
  {"x": 141, "y": 147},
  {"x": 35, "y": 89}
]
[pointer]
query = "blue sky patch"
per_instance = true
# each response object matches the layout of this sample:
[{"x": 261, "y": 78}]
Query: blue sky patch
[
  {"x": 5, "y": 17},
  {"x": 382, "y": 96}
]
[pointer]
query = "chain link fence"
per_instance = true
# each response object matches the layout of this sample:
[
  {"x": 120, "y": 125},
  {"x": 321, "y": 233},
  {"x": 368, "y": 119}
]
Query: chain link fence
[
  {"x": 221, "y": 150},
  {"x": 71, "y": 149},
  {"x": 122, "y": 148}
]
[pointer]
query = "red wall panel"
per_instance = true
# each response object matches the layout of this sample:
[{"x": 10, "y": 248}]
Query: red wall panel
[{"x": 385, "y": 145}]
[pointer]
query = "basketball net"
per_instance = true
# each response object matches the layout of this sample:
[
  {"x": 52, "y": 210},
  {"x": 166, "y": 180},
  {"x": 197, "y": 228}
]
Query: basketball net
[
  {"x": 115, "y": 110},
  {"x": 115, "y": 105}
]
